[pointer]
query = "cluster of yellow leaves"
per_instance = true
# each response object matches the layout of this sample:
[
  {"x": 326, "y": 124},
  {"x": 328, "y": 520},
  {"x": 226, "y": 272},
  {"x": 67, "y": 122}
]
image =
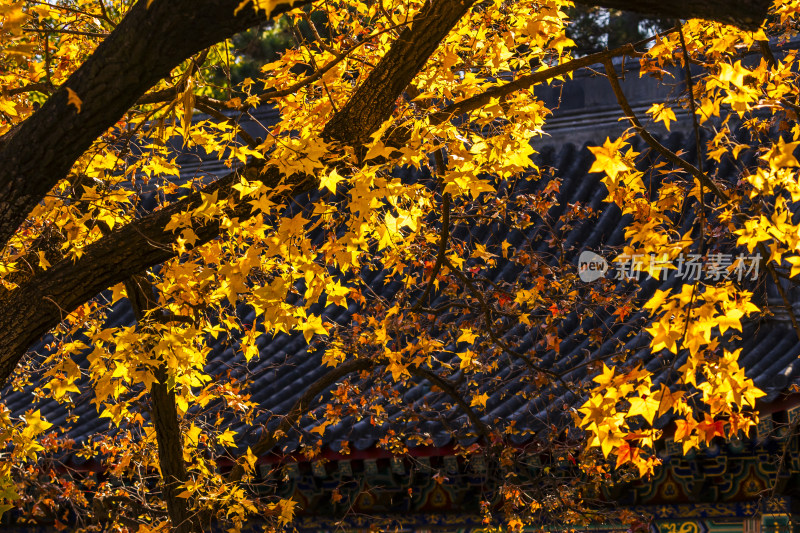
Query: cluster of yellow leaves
[
  {"x": 697, "y": 322},
  {"x": 613, "y": 429},
  {"x": 22, "y": 447}
]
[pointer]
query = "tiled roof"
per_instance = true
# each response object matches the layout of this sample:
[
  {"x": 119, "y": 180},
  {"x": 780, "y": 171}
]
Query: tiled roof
[{"x": 287, "y": 367}]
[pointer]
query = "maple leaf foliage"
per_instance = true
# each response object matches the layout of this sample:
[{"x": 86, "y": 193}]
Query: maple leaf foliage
[{"x": 314, "y": 216}]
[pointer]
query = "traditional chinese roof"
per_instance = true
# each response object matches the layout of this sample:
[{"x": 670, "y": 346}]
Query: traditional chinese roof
[{"x": 286, "y": 366}]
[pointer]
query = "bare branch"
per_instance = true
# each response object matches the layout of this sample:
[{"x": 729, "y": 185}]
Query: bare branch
[
  {"x": 444, "y": 236},
  {"x": 269, "y": 441},
  {"x": 451, "y": 391}
]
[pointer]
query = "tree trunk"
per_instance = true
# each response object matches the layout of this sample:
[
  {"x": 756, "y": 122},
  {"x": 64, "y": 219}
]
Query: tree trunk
[
  {"x": 170, "y": 455},
  {"x": 43, "y": 301},
  {"x": 166, "y": 422},
  {"x": 41, "y": 151},
  {"x": 374, "y": 99}
]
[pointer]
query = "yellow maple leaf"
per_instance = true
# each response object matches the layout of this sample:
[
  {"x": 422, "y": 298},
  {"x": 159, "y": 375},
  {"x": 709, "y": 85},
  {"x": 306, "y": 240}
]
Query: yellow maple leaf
[
  {"x": 661, "y": 113},
  {"x": 227, "y": 438},
  {"x": 312, "y": 325},
  {"x": 467, "y": 336},
  {"x": 73, "y": 99},
  {"x": 60, "y": 387},
  {"x": 647, "y": 407},
  {"x": 467, "y": 359},
  {"x": 250, "y": 460},
  {"x": 330, "y": 181},
  {"x": 35, "y": 424},
  {"x": 781, "y": 155},
  {"x": 320, "y": 429},
  {"x": 479, "y": 400},
  {"x": 8, "y": 108},
  {"x": 609, "y": 158},
  {"x": 286, "y": 511}
]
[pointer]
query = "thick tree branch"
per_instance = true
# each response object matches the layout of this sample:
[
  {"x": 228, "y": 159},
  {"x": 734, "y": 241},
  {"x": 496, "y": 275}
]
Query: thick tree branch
[
  {"x": 44, "y": 300},
  {"x": 42, "y": 87},
  {"x": 399, "y": 136},
  {"x": 117, "y": 74},
  {"x": 451, "y": 391},
  {"x": 141, "y": 50},
  {"x": 525, "y": 82},
  {"x": 374, "y": 100},
  {"x": 529, "y": 80}
]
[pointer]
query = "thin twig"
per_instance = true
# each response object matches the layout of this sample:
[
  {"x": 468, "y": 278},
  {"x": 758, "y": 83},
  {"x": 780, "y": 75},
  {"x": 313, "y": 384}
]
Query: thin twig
[
  {"x": 451, "y": 391},
  {"x": 487, "y": 312},
  {"x": 66, "y": 32},
  {"x": 269, "y": 440},
  {"x": 246, "y": 137},
  {"x": 42, "y": 87},
  {"x": 444, "y": 235},
  {"x": 103, "y": 15},
  {"x": 524, "y": 82},
  {"x": 300, "y": 39},
  {"x": 611, "y": 73}
]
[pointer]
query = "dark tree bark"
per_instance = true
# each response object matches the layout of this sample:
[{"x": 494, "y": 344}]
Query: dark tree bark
[
  {"x": 143, "y": 49},
  {"x": 151, "y": 41},
  {"x": 170, "y": 455},
  {"x": 43, "y": 301},
  {"x": 46, "y": 299}
]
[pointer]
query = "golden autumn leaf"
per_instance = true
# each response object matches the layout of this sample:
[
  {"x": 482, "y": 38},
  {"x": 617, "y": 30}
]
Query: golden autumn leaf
[{"x": 74, "y": 100}]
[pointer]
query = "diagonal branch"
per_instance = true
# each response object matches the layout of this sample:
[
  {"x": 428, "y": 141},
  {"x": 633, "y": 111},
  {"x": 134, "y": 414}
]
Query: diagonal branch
[
  {"x": 450, "y": 390},
  {"x": 702, "y": 177},
  {"x": 42, "y": 149},
  {"x": 374, "y": 100},
  {"x": 38, "y": 304},
  {"x": 400, "y": 136},
  {"x": 444, "y": 235},
  {"x": 271, "y": 439}
]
